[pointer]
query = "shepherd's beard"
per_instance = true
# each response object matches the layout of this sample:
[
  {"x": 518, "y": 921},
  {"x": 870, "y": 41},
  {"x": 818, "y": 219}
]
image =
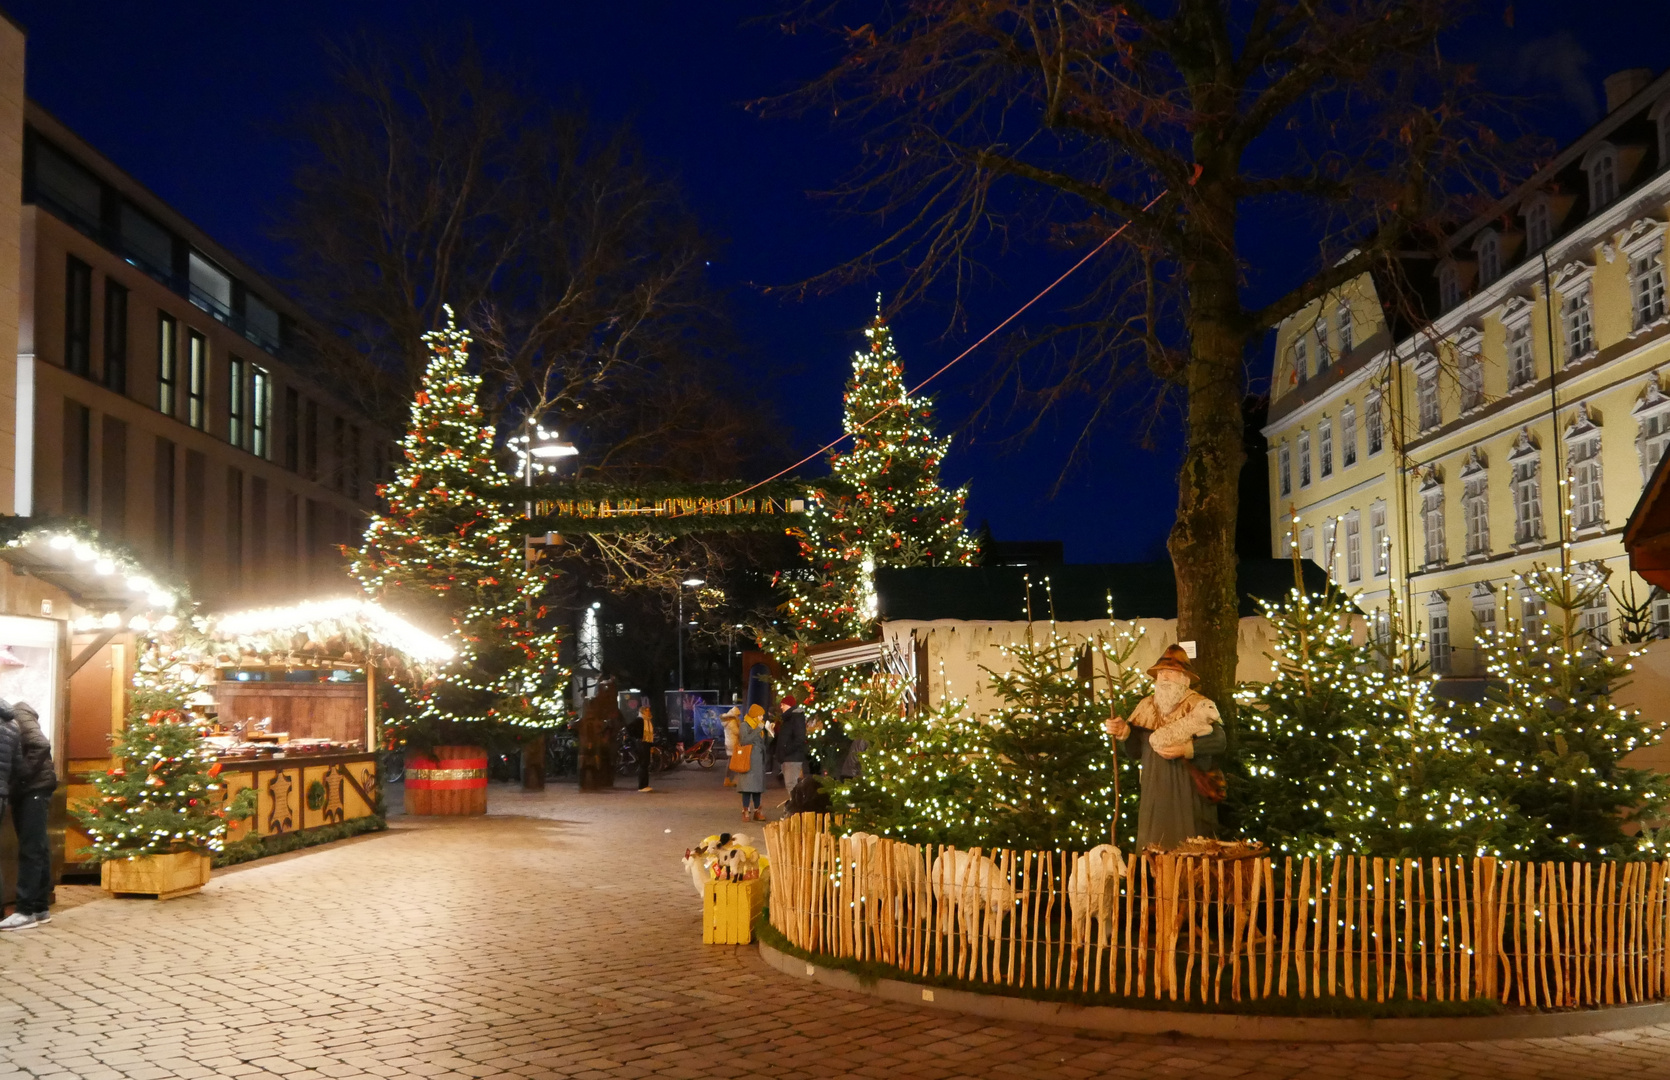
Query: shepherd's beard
[{"x": 1168, "y": 695}]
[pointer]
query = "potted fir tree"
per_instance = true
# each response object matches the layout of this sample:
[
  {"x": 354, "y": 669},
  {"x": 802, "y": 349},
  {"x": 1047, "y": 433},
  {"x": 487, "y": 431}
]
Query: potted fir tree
[{"x": 159, "y": 811}]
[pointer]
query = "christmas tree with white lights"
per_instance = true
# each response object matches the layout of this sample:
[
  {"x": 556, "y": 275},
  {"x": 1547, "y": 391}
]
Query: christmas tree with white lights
[
  {"x": 1555, "y": 735},
  {"x": 1344, "y": 751},
  {"x": 882, "y": 505},
  {"x": 448, "y": 548}
]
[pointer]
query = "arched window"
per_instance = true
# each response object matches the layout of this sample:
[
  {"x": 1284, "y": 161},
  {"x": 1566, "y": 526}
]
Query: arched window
[
  {"x": 1601, "y": 164},
  {"x": 1539, "y": 226},
  {"x": 1489, "y": 251},
  {"x": 1449, "y": 287}
]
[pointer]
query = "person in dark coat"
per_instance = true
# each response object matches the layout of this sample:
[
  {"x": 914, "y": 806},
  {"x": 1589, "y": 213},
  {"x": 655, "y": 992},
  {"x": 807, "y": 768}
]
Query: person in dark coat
[
  {"x": 11, "y": 753},
  {"x": 790, "y": 746},
  {"x": 33, "y": 780}
]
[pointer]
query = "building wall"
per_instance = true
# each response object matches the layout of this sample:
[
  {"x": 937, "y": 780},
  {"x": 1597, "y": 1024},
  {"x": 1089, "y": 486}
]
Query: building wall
[{"x": 1615, "y": 393}]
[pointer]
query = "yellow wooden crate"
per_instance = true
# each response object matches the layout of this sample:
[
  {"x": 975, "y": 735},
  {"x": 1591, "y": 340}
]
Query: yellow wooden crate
[
  {"x": 162, "y": 876},
  {"x": 729, "y": 909}
]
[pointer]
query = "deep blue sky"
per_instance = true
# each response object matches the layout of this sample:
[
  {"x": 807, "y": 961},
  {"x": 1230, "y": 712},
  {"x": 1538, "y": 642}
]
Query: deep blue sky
[{"x": 190, "y": 98}]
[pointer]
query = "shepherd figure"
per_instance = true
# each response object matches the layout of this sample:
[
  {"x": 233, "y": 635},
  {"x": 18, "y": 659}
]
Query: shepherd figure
[{"x": 1175, "y": 732}]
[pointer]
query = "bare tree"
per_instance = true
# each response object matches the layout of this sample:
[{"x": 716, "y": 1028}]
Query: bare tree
[{"x": 990, "y": 122}]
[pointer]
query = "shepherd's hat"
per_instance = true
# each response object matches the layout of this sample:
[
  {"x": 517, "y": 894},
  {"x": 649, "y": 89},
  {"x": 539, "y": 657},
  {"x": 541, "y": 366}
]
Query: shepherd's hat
[{"x": 1175, "y": 659}]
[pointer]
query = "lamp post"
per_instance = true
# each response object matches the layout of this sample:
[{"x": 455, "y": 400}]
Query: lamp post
[
  {"x": 539, "y": 451},
  {"x": 687, "y": 583}
]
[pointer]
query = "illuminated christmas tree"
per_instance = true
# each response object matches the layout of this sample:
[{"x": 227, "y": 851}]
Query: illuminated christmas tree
[
  {"x": 882, "y": 505},
  {"x": 1344, "y": 750},
  {"x": 163, "y": 794},
  {"x": 1556, "y": 738},
  {"x": 448, "y": 549}
]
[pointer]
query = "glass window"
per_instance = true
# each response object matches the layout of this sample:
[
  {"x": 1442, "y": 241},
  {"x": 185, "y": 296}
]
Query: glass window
[
  {"x": 146, "y": 244},
  {"x": 1324, "y": 354},
  {"x": 69, "y": 190},
  {"x": 1379, "y": 548},
  {"x": 1475, "y": 505},
  {"x": 1307, "y": 543},
  {"x": 1522, "y": 367},
  {"x": 1527, "y": 502},
  {"x": 260, "y": 411},
  {"x": 1373, "y": 423},
  {"x": 1484, "y": 617},
  {"x": 1353, "y": 546},
  {"x": 1653, "y": 436},
  {"x": 1426, "y": 397},
  {"x": 1603, "y": 180},
  {"x": 1348, "y": 436},
  {"x": 1432, "y": 526},
  {"x": 1347, "y": 333},
  {"x": 1646, "y": 278},
  {"x": 1533, "y": 611},
  {"x": 1596, "y": 621},
  {"x": 115, "y": 336},
  {"x": 1577, "y": 315},
  {"x": 1490, "y": 258},
  {"x": 1301, "y": 360},
  {"x": 168, "y": 359},
  {"x": 78, "y": 316},
  {"x": 235, "y": 401},
  {"x": 261, "y": 324},
  {"x": 1661, "y": 606},
  {"x": 1325, "y": 447},
  {"x": 1588, "y": 510},
  {"x": 197, "y": 380},
  {"x": 1438, "y": 639},
  {"x": 1472, "y": 381},
  {"x": 1538, "y": 227},
  {"x": 1304, "y": 459},
  {"x": 211, "y": 287},
  {"x": 1284, "y": 469}
]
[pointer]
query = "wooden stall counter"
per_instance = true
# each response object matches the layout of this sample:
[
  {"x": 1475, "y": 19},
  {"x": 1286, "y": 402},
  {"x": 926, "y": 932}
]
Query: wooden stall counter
[{"x": 302, "y": 791}]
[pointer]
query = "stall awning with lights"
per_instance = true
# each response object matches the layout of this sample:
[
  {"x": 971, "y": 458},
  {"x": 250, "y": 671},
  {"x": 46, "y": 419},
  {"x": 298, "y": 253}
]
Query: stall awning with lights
[
  {"x": 1647, "y": 535},
  {"x": 335, "y": 630}
]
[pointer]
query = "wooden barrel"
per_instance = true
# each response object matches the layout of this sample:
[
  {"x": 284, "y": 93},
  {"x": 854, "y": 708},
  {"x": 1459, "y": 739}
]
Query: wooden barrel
[{"x": 453, "y": 783}]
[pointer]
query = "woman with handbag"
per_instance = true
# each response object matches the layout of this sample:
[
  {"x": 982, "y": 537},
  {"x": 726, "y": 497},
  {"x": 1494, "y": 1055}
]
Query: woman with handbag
[{"x": 748, "y": 761}]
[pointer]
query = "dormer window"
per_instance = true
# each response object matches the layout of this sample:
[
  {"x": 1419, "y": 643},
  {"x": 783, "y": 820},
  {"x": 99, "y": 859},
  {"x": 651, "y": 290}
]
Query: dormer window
[
  {"x": 1539, "y": 226},
  {"x": 1489, "y": 251},
  {"x": 1601, "y": 164},
  {"x": 1347, "y": 333},
  {"x": 1449, "y": 287}
]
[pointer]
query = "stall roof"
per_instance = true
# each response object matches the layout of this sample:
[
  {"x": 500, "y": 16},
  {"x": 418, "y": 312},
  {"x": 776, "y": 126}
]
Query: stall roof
[
  {"x": 324, "y": 629},
  {"x": 1647, "y": 534},
  {"x": 73, "y": 557},
  {"x": 1078, "y": 593}
]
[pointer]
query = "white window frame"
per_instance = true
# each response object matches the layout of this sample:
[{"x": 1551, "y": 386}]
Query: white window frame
[
  {"x": 1601, "y": 165},
  {"x": 1533, "y": 612},
  {"x": 1475, "y": 506},
  {"x": 1659, "y": 606},
  {"x": 1525, "y": 462},
  {"x": 1330, "y": 544},
  {"x": 1380, "y": 555},
  {"x": 1652, "y": 426},
  {"x": 1324, "y": 448},
  {"x": 1307, "y": 543},
  {"x": 1301, "y": 359},
  {"x": 1347, "y": 436},
  {"x": 1324, "y": 352},
  {"x": 1488, "y": 249},
  {"x": 1429, "y": 409},
  {"x": 1643, "y": 247},
  {"x": 1539, "y": 225},
  {"x": 1374, "y": 423},
  {"x": 1438, "y": 632},
  {"x": 1347, "y": 330},
  {"x": 1471, "y": 368},
  {"x": 1304, "y": 458},
  {"x": 1577, "y": 324},
  {"x": 1354, "y": 546},
  {"x": 1284, "y": 469},
  {"x": 1484, "y": 611},
  {"x": 1434, "y": 549},
  {"x": 1583, "y": 465},
  {"x": 1522, "y": 357}
]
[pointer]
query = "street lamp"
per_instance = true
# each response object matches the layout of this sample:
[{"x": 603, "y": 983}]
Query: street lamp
[{"x": 687, "y": 583}]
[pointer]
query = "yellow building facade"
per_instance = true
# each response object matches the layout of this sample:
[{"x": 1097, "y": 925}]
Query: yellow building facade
[{"x": 1426, "y": 444}]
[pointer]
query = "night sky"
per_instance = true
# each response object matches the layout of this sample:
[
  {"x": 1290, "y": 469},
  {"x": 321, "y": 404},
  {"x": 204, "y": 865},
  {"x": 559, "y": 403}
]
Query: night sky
[{"x": 192, "y": 99}]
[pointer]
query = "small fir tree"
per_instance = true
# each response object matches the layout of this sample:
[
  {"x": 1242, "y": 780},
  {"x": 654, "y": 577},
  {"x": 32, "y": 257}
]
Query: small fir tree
[
  {"x": 1344, "y": 751},
  {"x": 162, "y": 795},
  {"x": 448, "y": 546},
  {"x": 1555, "y": 736},
  {"x": 882, "y": 505}
]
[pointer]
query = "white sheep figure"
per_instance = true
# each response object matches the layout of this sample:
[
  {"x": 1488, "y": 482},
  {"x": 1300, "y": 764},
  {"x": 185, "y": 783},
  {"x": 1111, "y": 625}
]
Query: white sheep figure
[
  {"x": 1182, "y": 731},
  {"x": 1092, "y": 887},
  {"x": 699, "y": 860},
  {"x": 964, "y": 884},
  {"x": 889, "y": 865}
]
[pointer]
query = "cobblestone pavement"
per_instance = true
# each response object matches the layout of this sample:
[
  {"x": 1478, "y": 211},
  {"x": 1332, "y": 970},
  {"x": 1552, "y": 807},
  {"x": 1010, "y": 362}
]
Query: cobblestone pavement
[{"x": 559, "y": 937}]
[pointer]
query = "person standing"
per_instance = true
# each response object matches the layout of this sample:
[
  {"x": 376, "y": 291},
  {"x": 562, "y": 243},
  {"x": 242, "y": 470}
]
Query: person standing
[
  {"x": 1178, "y": 798},
  {"x": 645, "y": 745},
  {"x": 11, "y": 755},
  {"x": 34, "y": 779},
  {"x": 752, "y": 735},
  {"x": 732, "y": 722},
  {"x": 791, "y": 742}
]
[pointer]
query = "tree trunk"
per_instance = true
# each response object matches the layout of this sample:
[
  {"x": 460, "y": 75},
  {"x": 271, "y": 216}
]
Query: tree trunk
[
  {"x": 533, "y": 763},
  {"x": 1202, "y": 542}
]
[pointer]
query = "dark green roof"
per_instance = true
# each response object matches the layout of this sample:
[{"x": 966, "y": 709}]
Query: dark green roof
[{"x": 1079, "y": 593}]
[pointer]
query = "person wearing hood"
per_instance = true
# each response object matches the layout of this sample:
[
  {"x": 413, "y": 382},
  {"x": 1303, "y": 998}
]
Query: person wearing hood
[
  {"x": 754, "y": 739},
  {"x": 33, "y": 780},
  {"x": 11, "y": 756},
  {"x": 791, "y": 742}
]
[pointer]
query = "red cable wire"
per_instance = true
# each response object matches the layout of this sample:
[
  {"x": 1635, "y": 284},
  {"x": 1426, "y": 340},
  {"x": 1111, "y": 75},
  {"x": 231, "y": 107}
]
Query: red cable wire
[{"x": 914, "y": 390}]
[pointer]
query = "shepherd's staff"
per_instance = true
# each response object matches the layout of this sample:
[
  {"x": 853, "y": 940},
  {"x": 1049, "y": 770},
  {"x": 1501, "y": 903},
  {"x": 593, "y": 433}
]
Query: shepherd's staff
[{"x": 1108, "y": 675}]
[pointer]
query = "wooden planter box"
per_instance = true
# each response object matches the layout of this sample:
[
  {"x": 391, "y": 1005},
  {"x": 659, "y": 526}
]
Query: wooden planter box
[
  {"x": 161, "y": 876},
  {"x": 729, "y": 909},
  {"x": 453, "y": 783}
]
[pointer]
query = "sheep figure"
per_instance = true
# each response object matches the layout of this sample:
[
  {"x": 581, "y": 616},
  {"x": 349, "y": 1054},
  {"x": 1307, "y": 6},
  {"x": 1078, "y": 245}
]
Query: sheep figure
[
  {"x": 1093, "y": 886},
  {"x": 966, "y": 884},
  {"x": 699, "y": 861},
  {"x": 889, "y": 867}
]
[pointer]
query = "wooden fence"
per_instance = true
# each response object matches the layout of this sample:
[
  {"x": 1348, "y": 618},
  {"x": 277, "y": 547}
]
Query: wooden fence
[{"x": 1211, "y": 930}]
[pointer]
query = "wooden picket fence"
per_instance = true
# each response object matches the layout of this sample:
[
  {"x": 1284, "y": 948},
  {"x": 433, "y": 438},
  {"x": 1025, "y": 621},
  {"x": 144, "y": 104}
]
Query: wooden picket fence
[{"x": 1207, "y": 930}]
